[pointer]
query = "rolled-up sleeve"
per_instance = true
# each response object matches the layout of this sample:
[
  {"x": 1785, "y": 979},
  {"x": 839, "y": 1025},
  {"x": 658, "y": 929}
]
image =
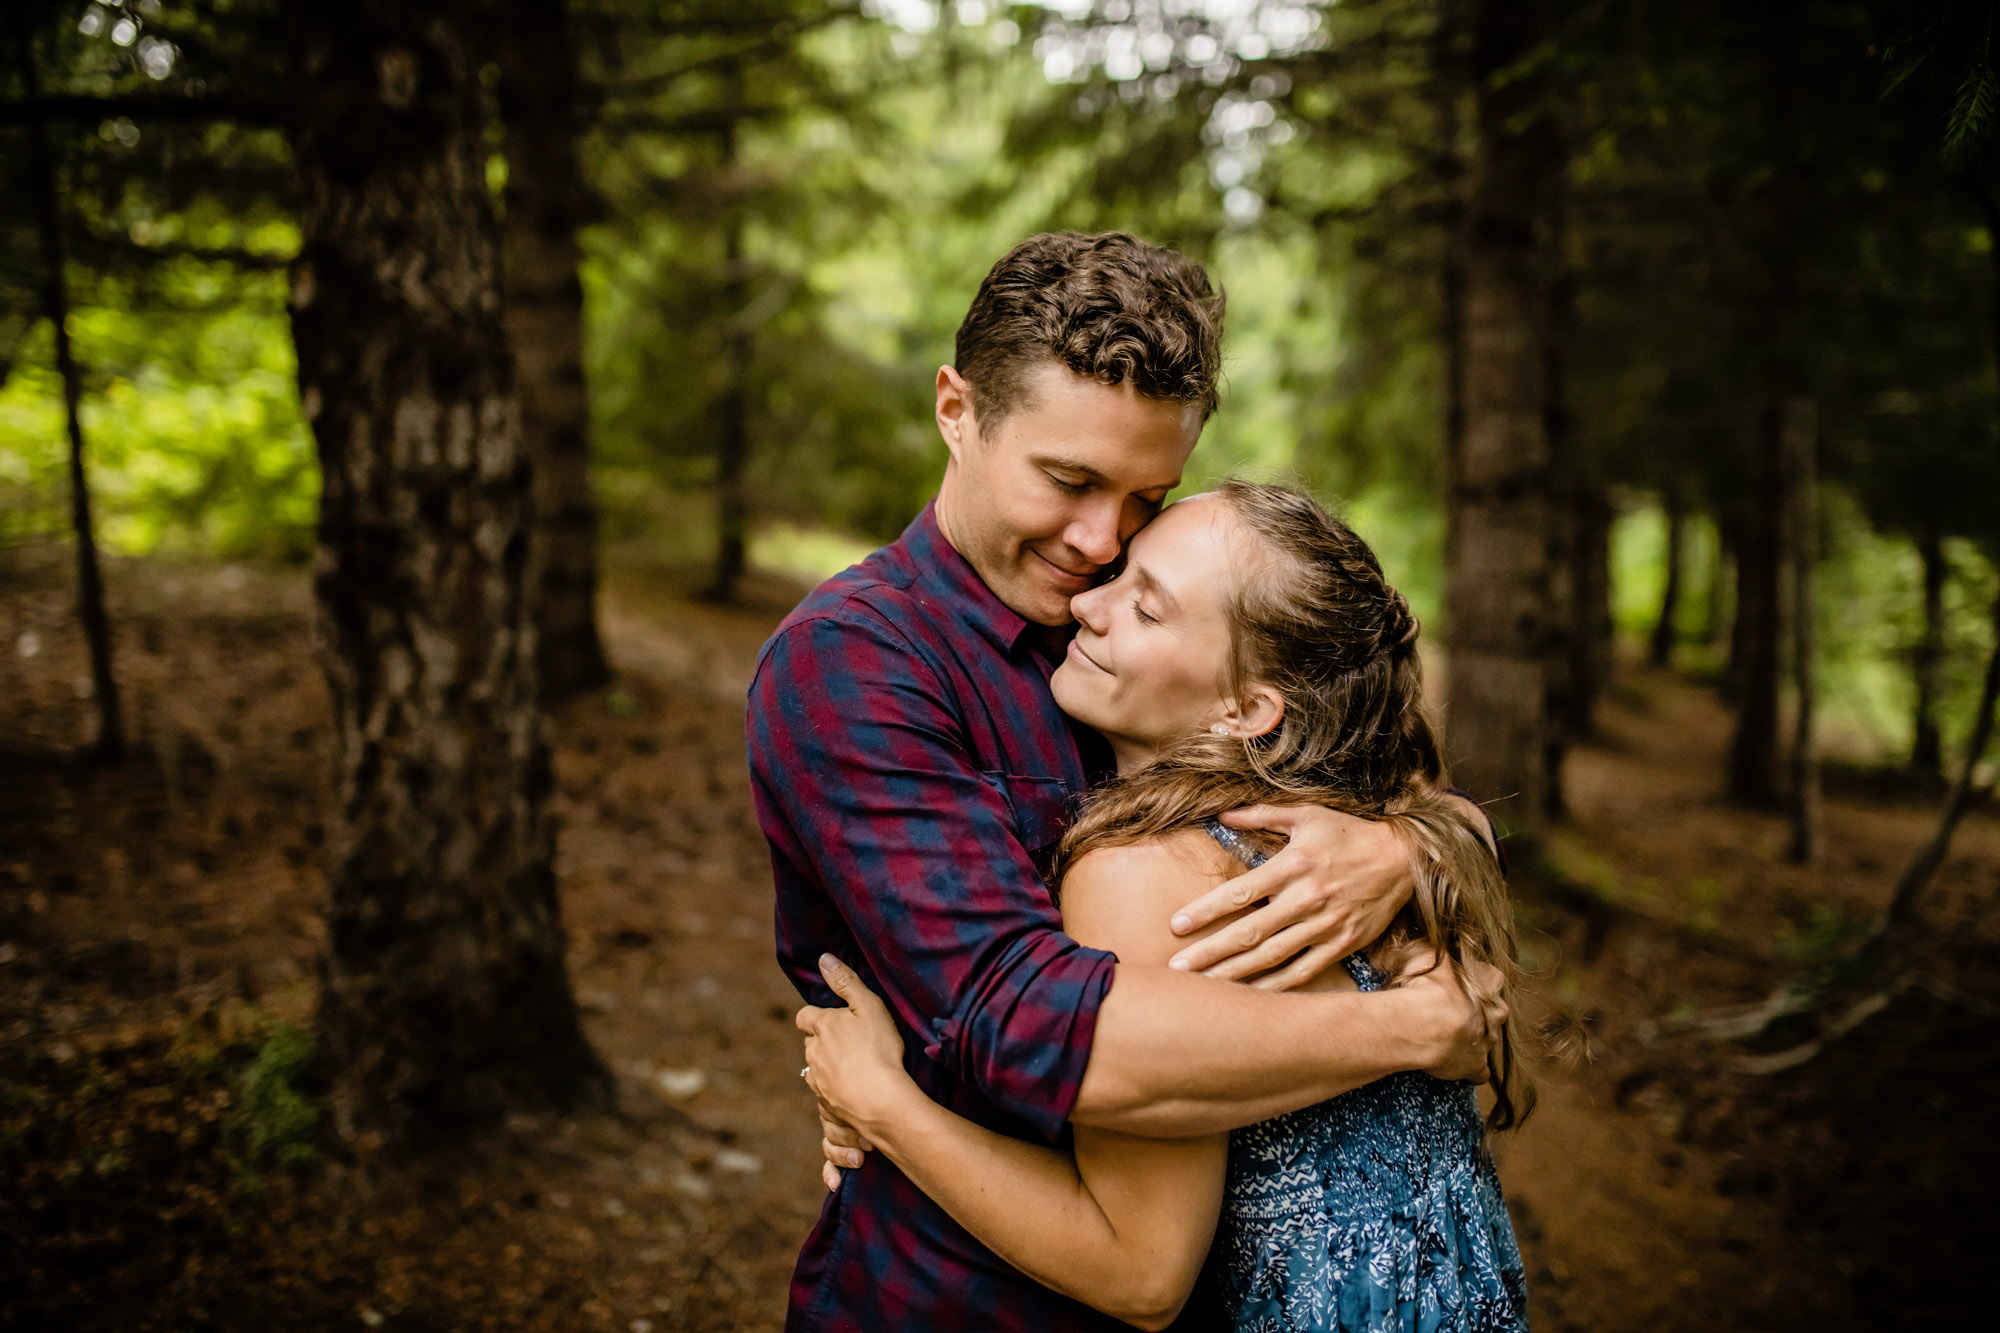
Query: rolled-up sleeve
[{"x": 864, "y": 782}]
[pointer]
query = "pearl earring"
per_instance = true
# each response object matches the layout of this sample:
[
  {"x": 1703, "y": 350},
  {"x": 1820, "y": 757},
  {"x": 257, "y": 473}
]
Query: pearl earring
[{"x": 1219, "y": 729}]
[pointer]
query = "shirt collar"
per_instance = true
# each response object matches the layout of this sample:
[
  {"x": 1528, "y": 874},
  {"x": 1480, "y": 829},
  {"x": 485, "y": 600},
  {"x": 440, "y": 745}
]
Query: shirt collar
[{"x": 951, "y": 577}]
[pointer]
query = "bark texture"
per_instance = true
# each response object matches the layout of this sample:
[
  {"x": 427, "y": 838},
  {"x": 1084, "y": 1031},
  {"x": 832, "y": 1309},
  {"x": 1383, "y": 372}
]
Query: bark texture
[
  {"x": 110, "y": 743},
  {"x": 546, "y": 204},
  {"x": 1500, "y": 578},
  {"x": 443, "y": 993}
]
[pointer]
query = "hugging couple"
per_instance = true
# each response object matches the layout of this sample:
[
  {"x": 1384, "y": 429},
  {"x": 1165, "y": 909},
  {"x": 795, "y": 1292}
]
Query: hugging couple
[{"x": 1153, "y": 961}]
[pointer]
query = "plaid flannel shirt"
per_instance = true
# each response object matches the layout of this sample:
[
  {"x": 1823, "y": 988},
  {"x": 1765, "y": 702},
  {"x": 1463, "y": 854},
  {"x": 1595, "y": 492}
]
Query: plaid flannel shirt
[{"x": 912, "y": 772}]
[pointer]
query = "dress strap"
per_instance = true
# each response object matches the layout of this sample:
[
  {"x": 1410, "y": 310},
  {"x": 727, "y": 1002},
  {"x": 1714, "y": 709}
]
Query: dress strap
[{"x": 1234, "y": 843}]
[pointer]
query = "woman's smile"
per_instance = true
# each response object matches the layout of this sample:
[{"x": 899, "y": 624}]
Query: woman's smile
[{"x": 1076, "y": 651}]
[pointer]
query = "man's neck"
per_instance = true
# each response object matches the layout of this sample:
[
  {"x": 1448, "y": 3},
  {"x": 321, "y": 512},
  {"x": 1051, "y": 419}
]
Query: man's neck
[{"x": 946, "y": 506}]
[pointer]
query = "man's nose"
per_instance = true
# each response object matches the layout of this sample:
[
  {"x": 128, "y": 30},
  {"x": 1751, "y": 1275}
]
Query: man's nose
[{"x": 1095, "y": 534}]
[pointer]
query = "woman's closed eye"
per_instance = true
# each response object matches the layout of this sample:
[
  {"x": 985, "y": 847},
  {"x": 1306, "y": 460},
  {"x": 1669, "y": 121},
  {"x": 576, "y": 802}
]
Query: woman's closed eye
[{"x": 1140, "y": 611}]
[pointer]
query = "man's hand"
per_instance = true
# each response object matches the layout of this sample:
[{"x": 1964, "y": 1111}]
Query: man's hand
[
  {"x": 1337, "y": 885},
  {"x": 1464, "y": 1031}
]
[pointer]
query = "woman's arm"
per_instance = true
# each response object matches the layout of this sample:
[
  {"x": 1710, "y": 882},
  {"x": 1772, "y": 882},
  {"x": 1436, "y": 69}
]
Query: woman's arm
[{"x": 1125, "y": 1223}]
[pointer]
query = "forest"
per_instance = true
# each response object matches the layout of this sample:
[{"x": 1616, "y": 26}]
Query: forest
[{"x": 415, "y": 416}]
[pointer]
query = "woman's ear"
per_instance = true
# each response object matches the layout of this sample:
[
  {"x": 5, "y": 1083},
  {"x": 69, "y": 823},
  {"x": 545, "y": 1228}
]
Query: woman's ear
[{"x": 1257, "y": 713}]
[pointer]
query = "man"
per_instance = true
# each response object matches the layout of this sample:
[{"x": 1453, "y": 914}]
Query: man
[{"x": 912, "y": 772}]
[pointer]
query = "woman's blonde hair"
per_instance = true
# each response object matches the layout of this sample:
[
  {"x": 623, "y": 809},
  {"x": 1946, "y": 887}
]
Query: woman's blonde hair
[{"x": 1314, "y": 620}]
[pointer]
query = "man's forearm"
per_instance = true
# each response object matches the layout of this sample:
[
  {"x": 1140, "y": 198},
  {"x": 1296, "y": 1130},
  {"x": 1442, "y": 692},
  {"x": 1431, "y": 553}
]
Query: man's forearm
[{"x": 1177, "y": 1055}]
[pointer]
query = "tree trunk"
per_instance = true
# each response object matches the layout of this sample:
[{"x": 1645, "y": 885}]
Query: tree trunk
[
  {"x": 1753, "y": 753},
  {"x": 1500, "y": 582},
  {"x": 1665, "y": 631},
  {"x": 544, "y": 323},
  {"x": 1917, "y": 874},
  {"x": 1590, "y": 604},
  {"x": 443, "y": 994},
  {"x": 1567, "y": 669},
  {"x": 732, "y": 445},
  {"x": 110, "y": 743},
  {"x": 1724, "y": 611},
  {"x": 1450, "y": 80},
  {"x": 1802, "y": 528},
  {"x": 1927, "y": 753}
]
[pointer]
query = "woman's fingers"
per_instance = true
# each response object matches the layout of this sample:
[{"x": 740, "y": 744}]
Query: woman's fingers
[
  {"x": 835, "y": 1155},
  {"x": 830, "y": 1173},
  {"x": 846, "y": 983},
  {"x": 837, "y": 1133}
]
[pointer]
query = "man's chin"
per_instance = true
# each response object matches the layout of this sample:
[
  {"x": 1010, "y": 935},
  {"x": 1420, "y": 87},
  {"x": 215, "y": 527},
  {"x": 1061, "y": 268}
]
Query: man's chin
[{"x": 1055, "y": 617}]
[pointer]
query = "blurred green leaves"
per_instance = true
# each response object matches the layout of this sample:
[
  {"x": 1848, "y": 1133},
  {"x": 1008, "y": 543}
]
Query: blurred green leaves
[{"x": 195, "y": 437}]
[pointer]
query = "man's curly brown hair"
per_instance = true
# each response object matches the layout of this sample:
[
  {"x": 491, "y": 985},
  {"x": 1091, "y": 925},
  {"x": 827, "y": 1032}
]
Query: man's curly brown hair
[{"x": 1108, "y": 306}]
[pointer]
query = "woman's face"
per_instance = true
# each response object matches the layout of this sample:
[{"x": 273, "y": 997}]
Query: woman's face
[{"x": 1151, "y": 652}]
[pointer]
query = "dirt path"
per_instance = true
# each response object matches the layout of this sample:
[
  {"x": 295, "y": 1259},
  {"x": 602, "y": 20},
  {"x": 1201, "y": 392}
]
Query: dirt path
[{"x": 155, "y": 923}]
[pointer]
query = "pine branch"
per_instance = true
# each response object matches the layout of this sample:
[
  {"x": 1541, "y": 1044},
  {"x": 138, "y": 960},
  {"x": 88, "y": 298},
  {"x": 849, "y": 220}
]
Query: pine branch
[{"x": 1971, "y": 115}]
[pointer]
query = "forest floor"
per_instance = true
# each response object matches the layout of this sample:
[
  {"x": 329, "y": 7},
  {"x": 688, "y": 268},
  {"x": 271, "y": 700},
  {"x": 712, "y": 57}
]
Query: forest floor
[{"x": 159, "y": 923}]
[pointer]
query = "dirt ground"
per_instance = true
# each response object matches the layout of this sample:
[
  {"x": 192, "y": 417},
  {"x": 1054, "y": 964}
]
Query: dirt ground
[{"x": 159, "y": 923}]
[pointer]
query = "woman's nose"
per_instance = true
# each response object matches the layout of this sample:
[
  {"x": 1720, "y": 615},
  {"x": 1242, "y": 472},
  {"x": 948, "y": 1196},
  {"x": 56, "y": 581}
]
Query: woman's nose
[{"x": 1088, "y": 608}]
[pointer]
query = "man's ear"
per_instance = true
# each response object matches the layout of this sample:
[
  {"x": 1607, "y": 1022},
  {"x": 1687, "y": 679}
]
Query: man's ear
[
  {"x": 955, "y": 418},
  {"x": 1257, "y": 714}
]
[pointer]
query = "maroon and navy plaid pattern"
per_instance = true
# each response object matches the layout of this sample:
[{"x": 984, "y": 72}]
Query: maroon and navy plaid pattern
[{"x": 912, "y": 774}]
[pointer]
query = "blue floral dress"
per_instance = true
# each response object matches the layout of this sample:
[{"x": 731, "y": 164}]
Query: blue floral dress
[{"x": 1376, "y": 1211}]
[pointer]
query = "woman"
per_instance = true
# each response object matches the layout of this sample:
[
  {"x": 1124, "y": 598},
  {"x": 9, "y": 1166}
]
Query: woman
[{"x": 1249, "y": 652}]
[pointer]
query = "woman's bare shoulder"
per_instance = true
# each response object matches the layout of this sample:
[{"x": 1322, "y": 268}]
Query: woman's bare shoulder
[{"x": 1121, "y": 898}]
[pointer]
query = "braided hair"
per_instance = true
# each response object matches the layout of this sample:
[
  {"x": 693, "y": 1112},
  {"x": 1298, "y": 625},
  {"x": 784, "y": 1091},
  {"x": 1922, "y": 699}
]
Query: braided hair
[{"x": 1312, "y": 618}]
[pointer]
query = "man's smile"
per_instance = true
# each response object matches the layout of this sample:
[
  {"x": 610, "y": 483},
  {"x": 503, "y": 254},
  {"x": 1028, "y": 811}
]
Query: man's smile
[{"x": 1067, "y": 580}]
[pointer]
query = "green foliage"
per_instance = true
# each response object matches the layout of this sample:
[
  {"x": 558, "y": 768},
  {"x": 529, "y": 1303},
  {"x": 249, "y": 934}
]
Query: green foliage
[
  {"x": 277, "y": 1119},
  {"x": 795, "y": 201},
  {"x": 194, "y": 438}
]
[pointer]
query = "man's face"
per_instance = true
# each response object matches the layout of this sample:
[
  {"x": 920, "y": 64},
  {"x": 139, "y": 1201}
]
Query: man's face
[{"x": 1043, "y": 501}]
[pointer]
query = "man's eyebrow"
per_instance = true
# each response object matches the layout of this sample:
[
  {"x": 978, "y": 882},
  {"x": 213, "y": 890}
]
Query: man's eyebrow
[
  {"x": 1066, "y": 464},
  {"x": 1148, "y": 583}
]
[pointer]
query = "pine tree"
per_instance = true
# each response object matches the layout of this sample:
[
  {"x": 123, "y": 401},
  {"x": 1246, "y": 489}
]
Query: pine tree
[{"x": 444, "y": 997}]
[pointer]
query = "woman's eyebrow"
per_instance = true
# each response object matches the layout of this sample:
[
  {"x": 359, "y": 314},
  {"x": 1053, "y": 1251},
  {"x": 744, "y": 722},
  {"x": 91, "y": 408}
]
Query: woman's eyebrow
[{"x": 1147, "y": 583}]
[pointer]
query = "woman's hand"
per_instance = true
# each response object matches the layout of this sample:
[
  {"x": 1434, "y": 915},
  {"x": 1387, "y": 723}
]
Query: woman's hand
[{"x": 854, "y": 1058}]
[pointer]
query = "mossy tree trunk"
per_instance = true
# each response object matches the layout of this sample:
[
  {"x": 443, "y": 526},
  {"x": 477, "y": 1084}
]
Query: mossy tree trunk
[{"x": 443, "y": 994}]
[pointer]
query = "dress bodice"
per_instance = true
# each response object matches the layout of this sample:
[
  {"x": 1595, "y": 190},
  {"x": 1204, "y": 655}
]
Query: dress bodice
[{"x": 1376, "y": 1211}]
